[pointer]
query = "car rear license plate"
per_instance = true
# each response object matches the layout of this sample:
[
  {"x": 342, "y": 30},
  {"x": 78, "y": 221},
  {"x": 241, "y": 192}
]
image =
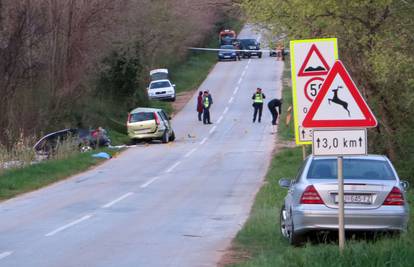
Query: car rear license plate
[
  {"x": 227, "y": 56},
  {"x": 355, "y": 199}
]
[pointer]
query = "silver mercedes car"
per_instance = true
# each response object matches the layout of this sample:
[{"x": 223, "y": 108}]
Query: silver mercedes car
[{"x": 374, "y": 197}]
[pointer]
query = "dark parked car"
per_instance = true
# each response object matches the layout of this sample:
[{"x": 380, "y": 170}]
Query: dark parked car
[
  {"x": 85, "y": 139},
  {"x": 251, "y": 48},
  {"x": 227, "y": 52}
]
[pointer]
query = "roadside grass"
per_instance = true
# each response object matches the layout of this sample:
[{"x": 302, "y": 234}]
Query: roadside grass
[
  {"x": 286, "y": 131},
  {"x": 17, "y": 181},
  {"x": 192, "y": 72},
  {"x": 261, "y": 240}
]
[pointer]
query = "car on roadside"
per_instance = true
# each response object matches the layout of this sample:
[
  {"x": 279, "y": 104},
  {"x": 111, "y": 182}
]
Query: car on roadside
[
  {"x": 149, "y": 124},
  {"x": 250, "y": 47},
  {"x": 83, "y": 139},
  {"x": 374, "y": 198},
  {"x": 227, "y": 52},
  {"x": 160, "y": 87}
]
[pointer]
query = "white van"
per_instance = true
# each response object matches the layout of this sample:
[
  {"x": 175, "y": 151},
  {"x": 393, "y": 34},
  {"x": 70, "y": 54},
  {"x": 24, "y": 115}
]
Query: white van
[{"x": 160, "y": 87}]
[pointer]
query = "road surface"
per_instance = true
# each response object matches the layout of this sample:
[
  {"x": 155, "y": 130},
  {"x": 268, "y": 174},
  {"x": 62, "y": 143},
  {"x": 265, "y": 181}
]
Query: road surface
[{"x": 178, "y": 204}]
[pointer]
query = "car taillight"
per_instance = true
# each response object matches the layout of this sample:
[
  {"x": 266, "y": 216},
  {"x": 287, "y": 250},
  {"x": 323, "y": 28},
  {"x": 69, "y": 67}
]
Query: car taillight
[
  {"x": 157, "y": 120},
  {"x": 394, "y": 198},
  {"x": 311, "y": 196},
  {"x": 129, "y": 117}
]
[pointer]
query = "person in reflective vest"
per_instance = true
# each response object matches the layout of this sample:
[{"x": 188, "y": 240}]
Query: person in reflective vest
[
  {"x": 207, "y": 102},
  {"x": 258, "y": 99}
]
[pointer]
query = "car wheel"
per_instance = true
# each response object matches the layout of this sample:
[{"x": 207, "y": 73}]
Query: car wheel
[
  {"x": 172, "y": 136},
  {"x": 260, "y": 55},
  {"x": 295, "y": 239},
  {"x": 173, "y": 99},
  {"x": 165, "y": 137},
  {"x": 282, "y": 219}
]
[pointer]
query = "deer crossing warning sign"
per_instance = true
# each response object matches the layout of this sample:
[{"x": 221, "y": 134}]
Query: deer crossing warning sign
[
  {"x": 339, "y": 103},
  {"x": 311, "y": 60}
]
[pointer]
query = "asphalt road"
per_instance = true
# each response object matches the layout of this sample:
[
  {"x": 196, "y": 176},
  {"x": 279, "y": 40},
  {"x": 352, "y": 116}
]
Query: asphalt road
[{"x": 178, "y": 204}]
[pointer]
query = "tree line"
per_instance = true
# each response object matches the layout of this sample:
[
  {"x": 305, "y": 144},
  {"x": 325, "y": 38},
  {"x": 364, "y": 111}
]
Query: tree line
[
  {"x": 376, "y": 43},
  {"x": 64, "y": 61}
]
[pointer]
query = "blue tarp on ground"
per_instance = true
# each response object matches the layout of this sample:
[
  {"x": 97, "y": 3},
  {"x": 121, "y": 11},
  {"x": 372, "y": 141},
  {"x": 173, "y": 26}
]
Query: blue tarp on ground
[{"x": 103, "y": 155}]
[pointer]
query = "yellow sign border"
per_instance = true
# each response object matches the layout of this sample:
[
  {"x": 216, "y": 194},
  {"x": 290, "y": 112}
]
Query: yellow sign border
[{"x": 293, "y": 76}]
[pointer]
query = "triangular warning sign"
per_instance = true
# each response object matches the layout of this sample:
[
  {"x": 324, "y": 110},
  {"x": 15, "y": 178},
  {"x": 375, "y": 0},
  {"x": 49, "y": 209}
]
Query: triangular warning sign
[
  {"x": 339, "y": 103},
  {"x": 314, "y": 63}
]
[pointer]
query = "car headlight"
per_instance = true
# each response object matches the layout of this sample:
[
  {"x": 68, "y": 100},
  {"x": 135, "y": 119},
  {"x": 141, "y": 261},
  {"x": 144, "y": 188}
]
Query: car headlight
[
  {"x": 233, "y": 54},
  {"x": 220, "y": 54}
]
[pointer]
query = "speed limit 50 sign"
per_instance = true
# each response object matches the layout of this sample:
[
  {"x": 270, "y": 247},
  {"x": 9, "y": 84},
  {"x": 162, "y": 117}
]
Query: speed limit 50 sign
[{"x": 311, "y": 61}]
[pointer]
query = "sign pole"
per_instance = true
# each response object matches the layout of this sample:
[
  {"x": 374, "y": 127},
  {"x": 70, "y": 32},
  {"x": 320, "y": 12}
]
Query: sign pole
[
  {"x": 304, "y": 152},
  {"x": 341, "y": 207}
]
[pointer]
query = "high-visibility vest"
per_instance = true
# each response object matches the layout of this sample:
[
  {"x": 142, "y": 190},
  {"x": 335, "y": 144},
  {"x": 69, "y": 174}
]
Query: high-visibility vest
[
  {"x": 206, "y": 102},
  {"x": 258, "y": 98}
]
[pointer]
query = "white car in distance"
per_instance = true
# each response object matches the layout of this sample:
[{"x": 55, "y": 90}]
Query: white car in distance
[{"x": 160, "y": 87}]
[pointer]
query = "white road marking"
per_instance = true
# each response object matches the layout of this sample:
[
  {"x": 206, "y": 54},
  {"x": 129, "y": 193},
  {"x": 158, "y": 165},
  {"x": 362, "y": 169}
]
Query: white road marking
[
  {"x": 203, "y": 141},
  {"x": 212, "y": 129},
  {"x": 219, "y": 119},
  {"x": 225, "y": 110},
  {"x": 250, "y": 60},
  {"x": 5, "y": 254},
  {"x": 107, "y": 205},
  {"x": 243, "y": 73},
  {"x": 84, "y": 218},
  {"x": 235, "y": 90},
  {"x": 231, "y": 99},
  {"x": 240, "y": 80},
  {"x": 246, "y": 67},
  {"x": 149, "y": 182},
  {"x": 173, "y": 166},
  {"x": 190, "y": 152}
]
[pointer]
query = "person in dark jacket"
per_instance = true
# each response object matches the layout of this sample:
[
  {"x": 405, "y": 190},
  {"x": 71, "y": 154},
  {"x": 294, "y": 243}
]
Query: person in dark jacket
[
  {"x": 274, "y": 105},
  {"x": 200, "y": 105},
  {"x": 258, "y": 99},
  {"x": 207, "y": 102}
]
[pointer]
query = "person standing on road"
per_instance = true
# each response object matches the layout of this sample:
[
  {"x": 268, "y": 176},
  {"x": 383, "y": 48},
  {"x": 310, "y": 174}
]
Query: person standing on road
[
  {"x": 207, "y": 102},
  {"x": 200, "y": 105},
  {"x": 258, "y": 99},
  {"x": 273, "y": 105}
]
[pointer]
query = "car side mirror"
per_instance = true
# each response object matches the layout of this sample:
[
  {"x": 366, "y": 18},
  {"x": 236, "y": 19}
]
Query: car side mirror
[
  {"x": 169, "y": 118},
  {"x": 405, "y": 185},
  {"x": 285, "y": 182}
]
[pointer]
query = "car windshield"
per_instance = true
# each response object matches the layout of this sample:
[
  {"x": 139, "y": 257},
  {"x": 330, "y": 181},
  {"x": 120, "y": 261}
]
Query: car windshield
[
  {"x": 156, "y": 85},
  {"x": 226, "y": 47},
  {"x": 142, "y": 116},
  {"x": 363, "y": 169},
  {"x": 249, "y": 41}
]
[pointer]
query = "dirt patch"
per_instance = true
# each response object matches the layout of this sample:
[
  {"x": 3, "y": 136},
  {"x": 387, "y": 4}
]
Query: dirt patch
[
  {"x": 233, "y": 255},
  {"x": 181, "y": 100},
  {"x": 284, "y": 144}
]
